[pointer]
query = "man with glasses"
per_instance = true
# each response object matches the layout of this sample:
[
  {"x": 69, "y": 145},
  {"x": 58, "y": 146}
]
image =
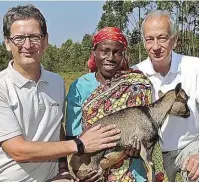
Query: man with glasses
[
  {"x": 32, "y": 104},
  {"x": 165, "y": 68}
]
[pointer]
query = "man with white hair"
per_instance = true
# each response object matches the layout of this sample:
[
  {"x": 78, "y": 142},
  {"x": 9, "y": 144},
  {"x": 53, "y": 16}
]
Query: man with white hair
[{"x": 165, "y": 69}]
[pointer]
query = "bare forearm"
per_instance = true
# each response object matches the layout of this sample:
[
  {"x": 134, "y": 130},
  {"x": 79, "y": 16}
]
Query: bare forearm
[
  {"x": 49, "y": 150},
  {"x": 63, "y": 163},
  {"x": 94, "y": 139},
  {"x": 26, "y": 151}
]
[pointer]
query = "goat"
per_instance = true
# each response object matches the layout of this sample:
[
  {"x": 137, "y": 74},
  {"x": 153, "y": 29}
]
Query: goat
[{"x": 142, "y": 122}]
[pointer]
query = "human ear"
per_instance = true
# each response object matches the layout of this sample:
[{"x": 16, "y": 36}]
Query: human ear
[
  {"x": 94, "y": 53},
  {"x": 7, "y": 43},
  {"x": 46, "y": 42},
  {"x": 175, "y": 40}
]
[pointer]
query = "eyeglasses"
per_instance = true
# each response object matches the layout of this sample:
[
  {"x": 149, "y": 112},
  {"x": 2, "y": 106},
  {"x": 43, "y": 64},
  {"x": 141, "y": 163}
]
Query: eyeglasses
[{"x": 19, "y": 40}]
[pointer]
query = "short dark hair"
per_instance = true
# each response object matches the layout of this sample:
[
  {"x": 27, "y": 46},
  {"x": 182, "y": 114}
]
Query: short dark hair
[{"x": 23, "y": 13}]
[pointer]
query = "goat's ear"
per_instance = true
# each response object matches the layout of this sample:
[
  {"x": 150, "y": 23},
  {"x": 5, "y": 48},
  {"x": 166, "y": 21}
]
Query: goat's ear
[
  {"x": 178, "y": 88},
  {"x": 160, "y": 93},
  {"x": 183, "y": 94}
]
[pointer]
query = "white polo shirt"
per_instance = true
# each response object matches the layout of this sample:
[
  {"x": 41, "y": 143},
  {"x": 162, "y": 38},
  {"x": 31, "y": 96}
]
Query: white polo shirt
[
  {"x": 33, "y": 110},
  {"x": 177, "y": 132}
]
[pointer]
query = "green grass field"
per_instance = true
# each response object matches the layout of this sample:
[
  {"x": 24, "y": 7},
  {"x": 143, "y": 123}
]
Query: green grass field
[{"x": 70, "y": 77}]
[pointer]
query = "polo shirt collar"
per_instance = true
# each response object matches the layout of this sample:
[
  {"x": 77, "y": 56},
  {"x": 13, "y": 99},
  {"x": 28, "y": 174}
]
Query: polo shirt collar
[
  {"x": 44, "y": 75},
  {"x": 176, "y": 58},
  {"x": 149, "y": 67},
  {"x": 20, "y": 80}
]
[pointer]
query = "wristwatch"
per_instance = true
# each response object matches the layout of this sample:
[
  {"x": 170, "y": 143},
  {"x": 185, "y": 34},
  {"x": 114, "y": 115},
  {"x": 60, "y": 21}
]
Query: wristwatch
[{"x": 80, "y": 146}]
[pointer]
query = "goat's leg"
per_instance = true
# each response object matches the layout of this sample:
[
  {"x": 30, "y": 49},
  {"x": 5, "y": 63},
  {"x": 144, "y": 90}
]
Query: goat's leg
[{"x": 147, "y": 163}]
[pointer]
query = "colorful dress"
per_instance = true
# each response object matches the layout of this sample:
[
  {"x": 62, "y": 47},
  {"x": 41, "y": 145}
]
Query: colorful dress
[{"x": 88, "y": 101}]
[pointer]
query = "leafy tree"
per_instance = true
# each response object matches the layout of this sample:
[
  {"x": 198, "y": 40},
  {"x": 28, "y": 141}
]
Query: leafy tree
[
  {"x": 50, "y": 58},
  {"x": 75, "y": 62},
  {"x": 115, "y": 14},
  {"x": 86, "y": 49},
  {"x": 64, "y": 55},
  {"x": 5, "y": 56}
]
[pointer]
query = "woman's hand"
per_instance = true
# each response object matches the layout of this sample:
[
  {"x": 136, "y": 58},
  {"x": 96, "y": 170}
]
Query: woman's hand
[
  {"x": 134, "y": 148},
  {"x": 93, "y": 176},
  {"x": 100, "y": 137}
]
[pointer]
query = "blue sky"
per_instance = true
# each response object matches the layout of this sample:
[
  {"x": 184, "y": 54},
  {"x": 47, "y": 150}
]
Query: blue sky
[{"x": 65, "y": 19}]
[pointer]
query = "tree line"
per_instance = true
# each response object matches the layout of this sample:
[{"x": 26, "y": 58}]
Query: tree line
[{"x": 128, "y": 16}]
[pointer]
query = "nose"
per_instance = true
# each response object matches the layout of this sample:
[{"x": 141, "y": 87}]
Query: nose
[
  {"x": 156, "y": 44},
  {"x": 27, "y": 44},
  {"x": 110, "y": 56}
]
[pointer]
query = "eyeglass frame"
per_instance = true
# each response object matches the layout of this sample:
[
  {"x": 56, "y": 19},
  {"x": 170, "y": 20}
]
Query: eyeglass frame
[{"x": 26, "y": 36}]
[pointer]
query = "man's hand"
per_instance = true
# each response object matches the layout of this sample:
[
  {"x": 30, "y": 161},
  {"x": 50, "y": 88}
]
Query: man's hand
[
  {"x": 134, "y": 147},
  {"x": 98, "y": 138},
  {"x": 191, "y": 164}
]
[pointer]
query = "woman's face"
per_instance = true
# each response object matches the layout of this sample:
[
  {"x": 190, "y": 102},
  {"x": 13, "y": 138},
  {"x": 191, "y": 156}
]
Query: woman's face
[{"x": 108, "y": 57}]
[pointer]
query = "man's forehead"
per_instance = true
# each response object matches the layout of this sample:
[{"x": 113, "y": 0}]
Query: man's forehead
[
  {"x": 21, "y": 22},
  {"x": 157, "y": 25},
  {"x": 24, "y": 26},
  {"x": 157, "y": 19}
]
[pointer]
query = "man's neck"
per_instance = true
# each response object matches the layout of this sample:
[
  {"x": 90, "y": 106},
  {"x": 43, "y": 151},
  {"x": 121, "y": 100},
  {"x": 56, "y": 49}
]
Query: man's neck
[
  {"x": 163, "y": 70},
  {"x": 100, "y": 78},
  {"x": 28, "y": 72},
  {"x": 163, "y": 67}
]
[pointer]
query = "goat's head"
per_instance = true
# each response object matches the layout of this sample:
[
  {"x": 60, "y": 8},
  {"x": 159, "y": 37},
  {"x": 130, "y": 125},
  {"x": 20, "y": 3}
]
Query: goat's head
[{"x": 180, "y": 107}]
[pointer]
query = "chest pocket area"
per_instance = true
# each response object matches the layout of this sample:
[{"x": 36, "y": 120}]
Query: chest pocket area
[{"x": 53, "y": 107}]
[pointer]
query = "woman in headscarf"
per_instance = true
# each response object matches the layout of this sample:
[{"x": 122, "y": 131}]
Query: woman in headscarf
[
  {"x": 111, "y": 34},
  {"x": 107, "y": 58}
]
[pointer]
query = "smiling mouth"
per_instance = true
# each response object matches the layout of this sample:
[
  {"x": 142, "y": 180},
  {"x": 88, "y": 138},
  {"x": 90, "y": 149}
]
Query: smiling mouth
[
  {"x": 157, "y": 55},
  {"x": 27, "y": 54},
  {"x": 109, "y": 66}
]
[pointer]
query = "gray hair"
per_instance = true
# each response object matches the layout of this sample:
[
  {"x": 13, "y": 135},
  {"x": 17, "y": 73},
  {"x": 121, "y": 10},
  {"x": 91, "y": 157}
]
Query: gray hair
[
  {"x": 159, "y": 13},
  {"x": 23, "y": 13}
]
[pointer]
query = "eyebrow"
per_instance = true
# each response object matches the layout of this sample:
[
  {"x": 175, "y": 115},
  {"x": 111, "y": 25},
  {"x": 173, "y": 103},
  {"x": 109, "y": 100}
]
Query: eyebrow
[{"x": 148, "y": 36}]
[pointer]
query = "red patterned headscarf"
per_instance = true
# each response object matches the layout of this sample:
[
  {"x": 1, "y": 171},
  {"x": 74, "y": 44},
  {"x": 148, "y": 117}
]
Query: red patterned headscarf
[{"x": 107, "y": 33}]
